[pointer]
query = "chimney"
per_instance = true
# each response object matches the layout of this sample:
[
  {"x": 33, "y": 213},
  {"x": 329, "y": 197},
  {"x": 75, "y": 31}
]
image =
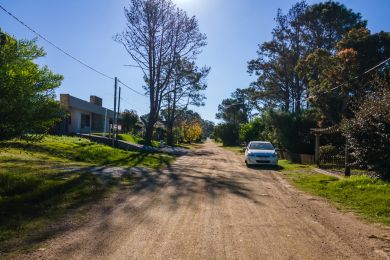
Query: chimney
[
  {"x": 96, "y": 100},
  {"x": 65, "y": 101}
]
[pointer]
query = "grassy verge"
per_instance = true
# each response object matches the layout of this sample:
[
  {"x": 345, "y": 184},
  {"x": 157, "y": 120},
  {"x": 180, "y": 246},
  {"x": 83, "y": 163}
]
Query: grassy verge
[
  {"x": 132, "y": 139},
  {"x": 236, "y": 149},
  {"x": 83, "y": 150},
  {"x": 367, "y": 196},
  {"x": 46, "y": 184},
  {"x": 192, "y": 146}
]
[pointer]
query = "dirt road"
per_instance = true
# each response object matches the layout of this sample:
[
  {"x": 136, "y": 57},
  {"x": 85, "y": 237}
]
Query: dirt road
[{"x": 208, "y": 205}]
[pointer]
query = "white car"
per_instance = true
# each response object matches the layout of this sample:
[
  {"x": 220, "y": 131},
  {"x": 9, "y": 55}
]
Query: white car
[{"x": 261, "y": 153}]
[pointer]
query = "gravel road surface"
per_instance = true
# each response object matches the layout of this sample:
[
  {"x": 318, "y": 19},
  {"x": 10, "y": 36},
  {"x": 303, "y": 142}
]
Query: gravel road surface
[{"x": 208, "y": 205}]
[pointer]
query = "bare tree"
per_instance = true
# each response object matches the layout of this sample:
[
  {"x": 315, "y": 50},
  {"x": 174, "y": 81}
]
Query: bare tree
[{"x": 156, "y": 35}]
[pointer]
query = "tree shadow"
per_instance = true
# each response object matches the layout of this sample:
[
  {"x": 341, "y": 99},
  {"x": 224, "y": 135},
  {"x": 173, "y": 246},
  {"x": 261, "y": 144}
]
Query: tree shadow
[{"x": 261, "y": 167}]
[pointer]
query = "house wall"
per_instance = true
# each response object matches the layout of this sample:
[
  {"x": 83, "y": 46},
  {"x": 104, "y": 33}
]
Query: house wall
[
  {"x": 76, "y": 107},
  {"x": 75, "y": 126}
]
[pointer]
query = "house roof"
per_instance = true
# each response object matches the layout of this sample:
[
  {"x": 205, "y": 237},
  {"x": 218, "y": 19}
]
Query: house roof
[{"x": 69, "y": 102}]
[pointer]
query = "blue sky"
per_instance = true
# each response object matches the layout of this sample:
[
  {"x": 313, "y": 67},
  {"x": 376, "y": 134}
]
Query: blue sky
[{"x": 85, "y": 29}]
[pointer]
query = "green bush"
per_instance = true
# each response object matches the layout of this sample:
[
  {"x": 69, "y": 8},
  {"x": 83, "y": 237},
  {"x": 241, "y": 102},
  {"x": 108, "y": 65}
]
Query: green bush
[
  {"x": 368, "y": 133},
  {"x": 252, "y": 131},
  {"x": 291, "y": 131},
  {"x": 228, "y": 133}
]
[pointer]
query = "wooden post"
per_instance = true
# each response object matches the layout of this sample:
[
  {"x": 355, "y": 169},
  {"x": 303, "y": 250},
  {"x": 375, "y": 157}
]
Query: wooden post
[
  {"x": 347, "y": 171},
  {"x": 114, "y": 121},
  {"x": 317, "y": 150},
  {"x": 117, "y": 117}
]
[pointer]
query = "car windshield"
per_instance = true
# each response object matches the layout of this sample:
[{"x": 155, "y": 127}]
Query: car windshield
[{"x": 261, "y": 146}]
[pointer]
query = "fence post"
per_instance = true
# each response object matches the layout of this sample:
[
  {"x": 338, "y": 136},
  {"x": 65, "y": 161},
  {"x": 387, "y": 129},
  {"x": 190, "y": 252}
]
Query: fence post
[
  {"x": 317, "y": 150},
  {"x": 347, "y": 171}
]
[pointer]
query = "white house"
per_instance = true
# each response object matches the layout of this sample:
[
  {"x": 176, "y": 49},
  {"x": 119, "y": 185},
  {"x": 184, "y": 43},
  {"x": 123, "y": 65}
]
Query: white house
[{"x": 84, "y": 116}]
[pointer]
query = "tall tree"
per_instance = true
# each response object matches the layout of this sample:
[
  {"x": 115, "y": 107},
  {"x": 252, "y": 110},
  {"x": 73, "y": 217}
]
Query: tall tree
[
  {"x": 27, "y": 104},
  {"x": 157, "y": 35},
  {"x": 237, "y": 109},
  {"x": 326, "y": 23},
  {"x": 277, "y": 84},
  {"x": 185, "y": 89},
  {"x": 336, "y": 81},
  {"x": 303, "y": 30},
  {"x": 129, "y": 120}
]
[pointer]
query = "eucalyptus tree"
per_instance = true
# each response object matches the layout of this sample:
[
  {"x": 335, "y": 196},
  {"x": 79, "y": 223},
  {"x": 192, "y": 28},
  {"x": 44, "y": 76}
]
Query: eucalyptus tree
[
  {"x": 185, "y": 89},
  {"x": 237, "y": 109},
  {"x": 305, "y": 29},
  {"x": 156, "y": 36}
]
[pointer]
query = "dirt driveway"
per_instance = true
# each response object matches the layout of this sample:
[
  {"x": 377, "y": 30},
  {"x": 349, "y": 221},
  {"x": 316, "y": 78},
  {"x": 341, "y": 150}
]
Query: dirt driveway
[{"x": 208, "y": 205}]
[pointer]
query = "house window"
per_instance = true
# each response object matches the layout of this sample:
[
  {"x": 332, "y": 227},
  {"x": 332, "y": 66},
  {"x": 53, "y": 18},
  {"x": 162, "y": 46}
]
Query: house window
[
  {"x": 70, "y": 119},
  {"x": 85, "y": 120}
]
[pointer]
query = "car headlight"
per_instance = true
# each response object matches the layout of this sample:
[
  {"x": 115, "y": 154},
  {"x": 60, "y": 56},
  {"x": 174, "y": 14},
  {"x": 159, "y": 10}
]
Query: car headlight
[{"x": 275, "y": 154}]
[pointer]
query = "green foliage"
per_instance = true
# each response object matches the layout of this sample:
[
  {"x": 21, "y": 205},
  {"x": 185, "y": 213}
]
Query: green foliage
[
  {"x": 129, "y": 121},
  {"x": 208, "y": 129},
  {"x": 327, "y": 22},
  {"x": 252, "y": 131},
  {"x": 27, "y": 104},
  {"x": 227, "y": 133},
  {"x": 291, "y": 131},
  {"x": 303, "y": 30},
  {"x": 368, "y": 132},
  {"x": 237, "y": 109},
  {"x": 366, "y": 195}
]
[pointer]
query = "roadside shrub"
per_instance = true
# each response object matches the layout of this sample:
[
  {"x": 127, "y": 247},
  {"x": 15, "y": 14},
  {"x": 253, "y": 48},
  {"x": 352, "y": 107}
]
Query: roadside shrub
[
  {"x": 291, "y": 130},
  {"x": 227, "y": 133},
  {"x": 252, "y": 131},
  {"x": 368, "y": 133}
]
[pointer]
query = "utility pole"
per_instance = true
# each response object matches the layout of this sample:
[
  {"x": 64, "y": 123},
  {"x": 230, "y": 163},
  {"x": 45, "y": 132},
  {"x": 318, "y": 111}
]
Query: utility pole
[
  {"x": 117, "y": 116},
  {"x": 105, "y": 124},
  {"x": 114, "y": 121}
]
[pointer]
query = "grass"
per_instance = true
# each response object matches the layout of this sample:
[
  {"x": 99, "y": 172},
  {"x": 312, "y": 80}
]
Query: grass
[
  {"x": 83, "y": 150},
  {"x": 367, "y": 196},
  {"x": 236, "y": 149},
  {"x": 285, "y": 165},
  {"x": 45, "y": 184},
  {"x": 192, "y": 146},
  {"x": 132, "y": 139}
]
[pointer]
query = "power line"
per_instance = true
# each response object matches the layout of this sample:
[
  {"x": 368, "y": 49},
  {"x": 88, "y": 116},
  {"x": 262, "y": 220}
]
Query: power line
[
  {"x": 65, "y": 52},
  {"x": 131, "y": 104},
  {"x": 135, "y": 91},
  {"x": 54, "y": 45},
  {"x": 366, "y": 72}
]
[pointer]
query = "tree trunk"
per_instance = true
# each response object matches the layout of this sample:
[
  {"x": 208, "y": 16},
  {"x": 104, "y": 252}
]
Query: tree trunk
[
  {"x": 149, "y": 133},
  {"x": 170, "y": 136}
]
